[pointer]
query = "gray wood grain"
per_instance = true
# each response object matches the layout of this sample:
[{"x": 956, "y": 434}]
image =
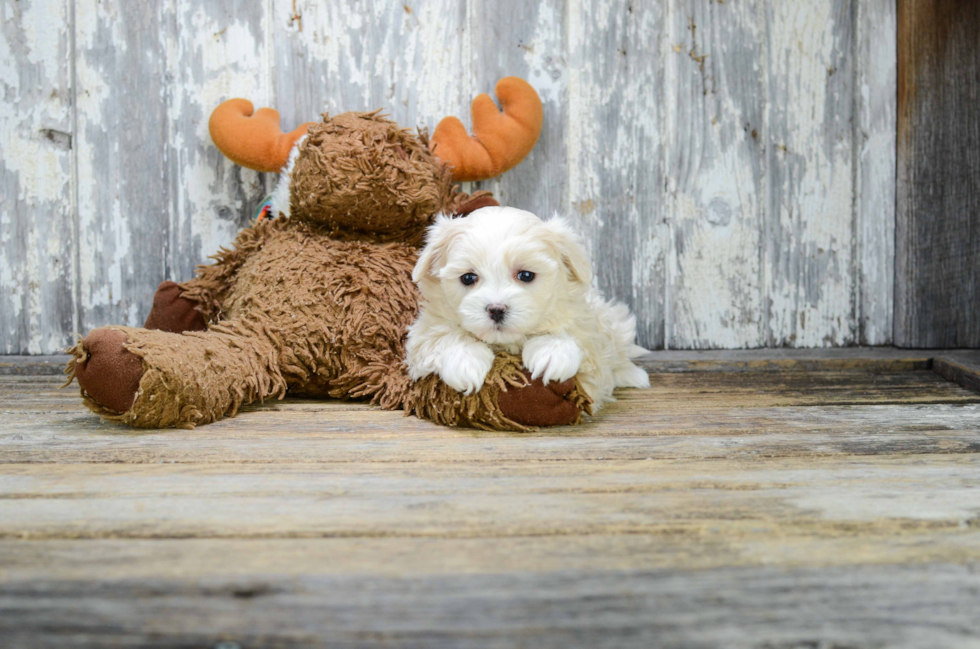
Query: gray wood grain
[
  {"x": 731, "y": 164},
  {"x": 323, "y": 437},
  {"x": 37, "y": 261},
  {"x": 874, "y": 166},
  {"x": 36, "y": 365},
  {"x": 796, "y": 496},
  {"x": 882, "y": 359},
  {"x": 528, "y": 40},
  {"x": 242, "y": 560},
  {"x": 777, "y": 509},
  {"x": 876, "y": 410},
  {"x": 717, "y": 174},
  {"x": 615, "y": 151},
  {"x": 223, "y": 50},
  {"x": 937, "y": 293},
  {"x": 125, "y": 184},
  {"x": 809, "y": 273},
  {"x": 410, "y": 59},
  {"x": 866, "y": 606},
  {"x": 155, "y": 196},
  {"x": 871, "y": 359},
  {"x": 960, "y": 366}
]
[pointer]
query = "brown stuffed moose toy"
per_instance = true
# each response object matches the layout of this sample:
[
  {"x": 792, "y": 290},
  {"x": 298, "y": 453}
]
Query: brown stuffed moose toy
[{"x": 317, "y": 300}]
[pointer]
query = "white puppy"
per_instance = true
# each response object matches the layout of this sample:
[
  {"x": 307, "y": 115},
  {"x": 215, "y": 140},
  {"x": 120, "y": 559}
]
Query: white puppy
[{"x": 503, "y": 279}]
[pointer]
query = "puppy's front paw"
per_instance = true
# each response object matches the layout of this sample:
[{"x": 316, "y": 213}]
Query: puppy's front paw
[
  {"x": 465, "y": 367},
  {"x": 552, "y": 358}
]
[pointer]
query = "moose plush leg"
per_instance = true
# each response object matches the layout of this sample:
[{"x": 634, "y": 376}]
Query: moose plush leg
[
  {"x": 509, "y": 400},
  {"x": 156, "y": 379},
  {"x": 173, "y": 312}
]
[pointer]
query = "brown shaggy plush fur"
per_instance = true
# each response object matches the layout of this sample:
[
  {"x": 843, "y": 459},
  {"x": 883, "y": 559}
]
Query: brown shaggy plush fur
[
  {"x": 362, "y": 174},
  {"x": 318, "y": 304}
]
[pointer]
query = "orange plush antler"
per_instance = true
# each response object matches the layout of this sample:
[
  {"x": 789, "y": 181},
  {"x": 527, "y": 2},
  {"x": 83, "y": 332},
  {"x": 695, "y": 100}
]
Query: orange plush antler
[
  {"x": 253, "y": 141},
  {"x": 500, "y": 140}
]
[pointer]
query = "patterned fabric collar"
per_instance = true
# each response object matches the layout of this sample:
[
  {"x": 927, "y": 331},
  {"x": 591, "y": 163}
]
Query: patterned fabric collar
[{"x": 264, "y": 210}]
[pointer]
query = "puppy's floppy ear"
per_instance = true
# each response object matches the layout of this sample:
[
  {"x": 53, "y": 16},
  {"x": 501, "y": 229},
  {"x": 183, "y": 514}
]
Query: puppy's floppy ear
[
  {"x": 437, "y": 240},
  {"x": 568, "y": 246}
]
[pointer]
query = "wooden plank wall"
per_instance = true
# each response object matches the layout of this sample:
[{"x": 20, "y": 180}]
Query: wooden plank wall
[
  {"x": 938, "y": 231},
  {"x": 732, "y": 163}
]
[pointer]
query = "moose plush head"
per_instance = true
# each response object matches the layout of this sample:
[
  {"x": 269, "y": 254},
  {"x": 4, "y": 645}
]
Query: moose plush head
[
  {"x": 318, "y": 301},
  {"x": 360, "y": 174}
]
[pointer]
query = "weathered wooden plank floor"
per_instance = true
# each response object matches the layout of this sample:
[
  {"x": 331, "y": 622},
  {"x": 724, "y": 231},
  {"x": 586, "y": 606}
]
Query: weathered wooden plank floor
[{"x": 831, "y": 501}]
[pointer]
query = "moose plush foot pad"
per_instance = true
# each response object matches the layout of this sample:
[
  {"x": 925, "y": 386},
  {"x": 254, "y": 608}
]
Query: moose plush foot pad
[
  {"x": 173, "y": 312},
  {"x": 106, "y": 371},
  {"x": 509, "y": 400},
  {"x": 537, "y": 404}
]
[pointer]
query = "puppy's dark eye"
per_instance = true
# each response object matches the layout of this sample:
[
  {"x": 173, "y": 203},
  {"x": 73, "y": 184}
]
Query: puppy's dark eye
[
  {"x": 525, "y": 276},
  {"x": 468, "y": 278}
]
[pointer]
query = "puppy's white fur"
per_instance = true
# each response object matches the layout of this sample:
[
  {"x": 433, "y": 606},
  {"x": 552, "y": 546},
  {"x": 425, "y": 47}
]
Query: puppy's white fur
[{"x": 558, "y": 322}]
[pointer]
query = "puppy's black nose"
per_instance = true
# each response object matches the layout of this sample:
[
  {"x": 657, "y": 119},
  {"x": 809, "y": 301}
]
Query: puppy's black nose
[{"x": 497, "y": 312}]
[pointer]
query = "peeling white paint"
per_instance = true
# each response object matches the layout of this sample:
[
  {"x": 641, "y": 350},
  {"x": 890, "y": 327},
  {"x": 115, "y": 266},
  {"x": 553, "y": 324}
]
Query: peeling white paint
[
  {"x": 875, "y": 135},
  {"x": 43, "y": 23},
  {"x": 716, "y": 236},
  {"x": 810, "y": 266},
  {"x": 35, "y": 178},
  {"x": 716, "y": 175},
  {"x": 94, "y": 92},
  {"x": 222, "y": 56},
  {"x": 582, "y": 136},
  {"x": 219, "y": 60},
  {"x": 544, "y": 56}
]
